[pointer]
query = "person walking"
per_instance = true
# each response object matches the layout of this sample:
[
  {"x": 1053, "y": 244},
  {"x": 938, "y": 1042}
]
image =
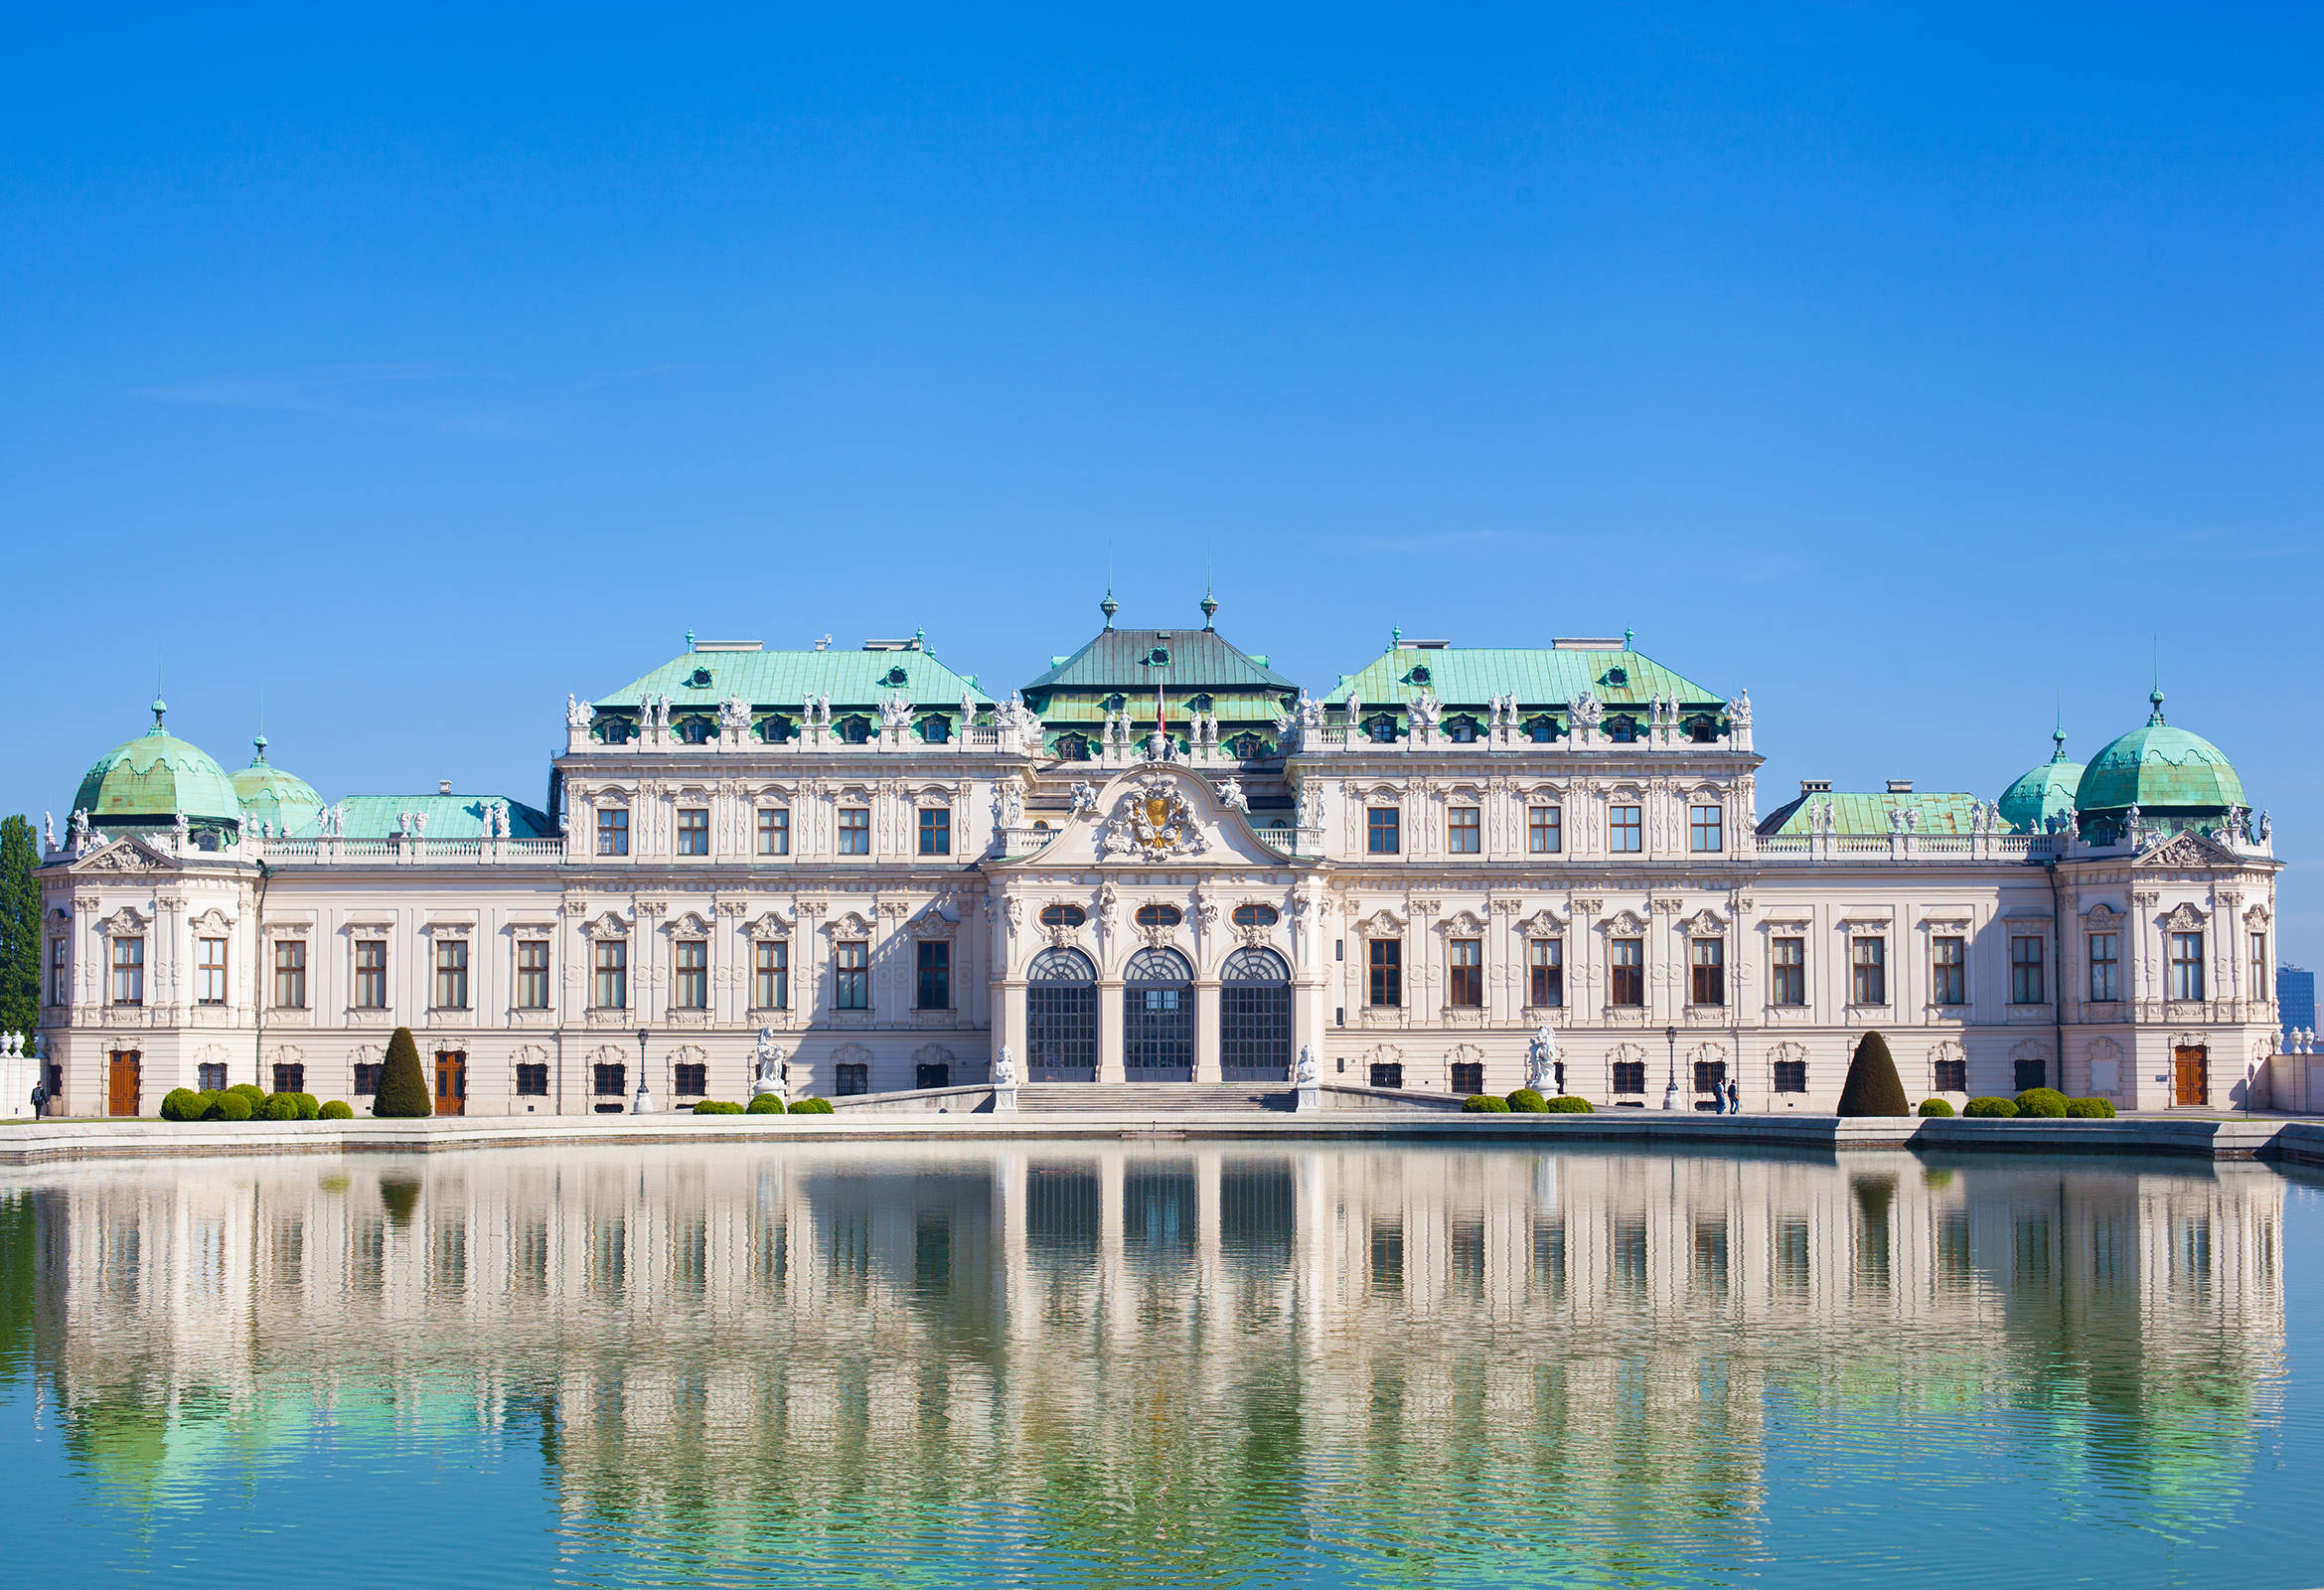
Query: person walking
[{"x": 1734, "y": 1098}]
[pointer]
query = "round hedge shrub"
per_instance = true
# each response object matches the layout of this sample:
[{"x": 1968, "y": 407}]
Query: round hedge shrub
[
  {"x": 765, "y": 1104},
  {"x": 181, "y": 1104},
  {"x": 812, "y": 1107},
  {"x": 251, "y": 1091},
  {"x": 1935, "y": 1107},
  {"x": 1990, "y": 1109},
  {"x": 1527, "y": 1101},
  {"x": 716, "y": 1107},
  {"x": 1485, "y": 1104},
  {"x": 2045, "y": 1103},
  {"x": 228, "y": 1106},
  {"x": 2089, "y": 1109},
  {"x": 335, "y": 1110},
  {"x": 282, "y": 1107},
  {"x": 1570, "y": 1104}
]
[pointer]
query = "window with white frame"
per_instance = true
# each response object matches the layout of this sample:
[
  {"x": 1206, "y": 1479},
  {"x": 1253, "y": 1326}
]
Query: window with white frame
[
  {"x": 210, "y": 971},
  {"x": 1544, "y": 830},
  {"x": 128, "y": 970},
  {"x": 774, "y": 830},
  {"x": 452, "y": 974},
  {"x": 1628, "y": 829},
  {"x": 2187, "y": 966},
  {"x": 2105, "y": 966},
  {"x": 1706, "y": 829},
  {"x": 854, "y": 831}
]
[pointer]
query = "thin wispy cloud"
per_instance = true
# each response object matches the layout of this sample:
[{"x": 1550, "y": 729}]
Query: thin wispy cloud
[{"x": 419, "y": 396}]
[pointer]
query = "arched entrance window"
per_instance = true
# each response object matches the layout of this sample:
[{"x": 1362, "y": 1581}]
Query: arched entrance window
[
  {"x": 1061, "y": 1017},
  {"x": 1254, "y": 1018},
  {"x": 1158, "y": 1018}
]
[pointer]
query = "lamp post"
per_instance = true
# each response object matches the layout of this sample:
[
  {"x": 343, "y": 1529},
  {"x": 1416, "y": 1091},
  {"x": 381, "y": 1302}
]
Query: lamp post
[
  {"x": 643, "y": 1103},
  {"x": 1670, "y": 1093}
]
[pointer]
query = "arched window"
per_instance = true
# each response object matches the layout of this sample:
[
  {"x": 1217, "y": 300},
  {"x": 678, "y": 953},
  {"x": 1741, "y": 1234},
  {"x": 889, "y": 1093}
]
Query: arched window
[
  {"x": 856, "y": 730},
  {"x": 1158, "y": 1017},
  {"x": 1072, "y": 749},
  {"x": 1254, "y": 916},
  {"x": 1541, "y": 730},
  {"x": 1247, "y": 748},
  {"x": 774, "y": 729},
  {"x": 1702, "y": 730},
  {"x": 1159, "y": 917},
  {"x": 1253, "y": 1015},
  {"x": 1462, "y": 730},
  {"x": 935, "y": 730},
  {"x": 1062, "y": 916},
  {"x": 1062, "y": 1017},
  {"x": 613, "y": 731},
  {"x": 694, "y": 732},
  {"x": 1198, "y": 703},
  {"x": 1623, "y": 730},
  {"x": 1381, "y": 728}
]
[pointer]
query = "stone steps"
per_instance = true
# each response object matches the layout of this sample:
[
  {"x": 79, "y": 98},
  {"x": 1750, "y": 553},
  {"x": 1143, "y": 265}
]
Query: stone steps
[{"x": 1152, "y": 1098}]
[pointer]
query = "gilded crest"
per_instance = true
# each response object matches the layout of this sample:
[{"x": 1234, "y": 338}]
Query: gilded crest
[{"x": 1153, "y": 822}]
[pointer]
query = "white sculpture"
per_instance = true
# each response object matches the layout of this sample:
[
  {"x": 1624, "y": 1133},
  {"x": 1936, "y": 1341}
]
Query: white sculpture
[
  {"x": 1004, "y": 1068},
  {"x": 1231, "y": 793},
  {"x": 82, "y": 840},
  {"x": 1304, "y": 1074},
  {"x": 895, "y": 712},
  {"x": 49, "y": 830},
  {"x": 1085, "y": 798},
  {"x": 968, "y": 711},
  {"x": 734, "y": 715},
  {"x": 184, "y": 829},
  {"x": 773, "y": 1073},
  {"x": 578, "y": 714},
  {"x": 1541, "y": 1060}
]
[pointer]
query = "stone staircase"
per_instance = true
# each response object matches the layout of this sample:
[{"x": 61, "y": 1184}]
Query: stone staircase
[{"x": 1148, "y": 1098}]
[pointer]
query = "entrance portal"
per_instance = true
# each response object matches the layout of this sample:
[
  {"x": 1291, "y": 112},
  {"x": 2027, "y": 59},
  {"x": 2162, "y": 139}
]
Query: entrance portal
[
  {"x": 2192, "y": 1067},
  {"x": 1254, "y": 1018},
  {"x": 122, "y": 1080},
  {"x": 1061, "y": 1017},
  {"x": 452, "y": 1083},
  {"x": 1158, "y": 1018}
]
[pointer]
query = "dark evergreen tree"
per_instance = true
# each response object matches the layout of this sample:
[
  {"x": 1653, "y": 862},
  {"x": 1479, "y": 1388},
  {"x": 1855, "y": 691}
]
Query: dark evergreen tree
[
  {"x": 1872, "y": 1087},
  {"x": 404, "y": 1093},
  {"x": 20, "y": 927}
]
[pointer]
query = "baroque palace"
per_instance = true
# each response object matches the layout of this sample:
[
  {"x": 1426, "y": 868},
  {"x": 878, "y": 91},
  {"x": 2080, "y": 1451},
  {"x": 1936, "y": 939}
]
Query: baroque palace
[{"x": 1159, "y": 861}]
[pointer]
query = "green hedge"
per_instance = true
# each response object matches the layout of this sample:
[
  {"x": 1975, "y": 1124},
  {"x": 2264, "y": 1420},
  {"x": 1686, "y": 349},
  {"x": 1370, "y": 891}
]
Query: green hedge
[
  {"x": 182, "y": 1104},
  {"x": 251, "y": 1091},
  {"x": 403, "y": 1093},
  {"x": 2045, "y": 1103},
  {"x": 1935, "y": 1107},
  {"x": 282, "y": 1107},
  {"x": 1527, "y": 1101},
  {"x": 716, "y": 1107},
  {"x": 2089, "y": 1109},
  {"x": 765, "y": 1104},
  {"x": 309, "y": 1107},
  {"x": 335, "y": 1110},
  {"x": 1992, "y": 1109},
  {"x": 228, "y": 1106},
  {"x": 1872, "y": 1087},
  {"x": 1485, "y": 1104},
  {"x": 812, "y": 1107},
  {"x": 1571, "y": 1104}
]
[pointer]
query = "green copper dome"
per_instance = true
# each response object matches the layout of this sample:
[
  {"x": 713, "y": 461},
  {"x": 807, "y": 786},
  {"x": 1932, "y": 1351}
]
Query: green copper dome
[
  {"x": 2043, "y": 792},
  {"x": 272, "y": 798},
  {"x": 2159, "y": 769},
  {"x": 147, "y": 781}
]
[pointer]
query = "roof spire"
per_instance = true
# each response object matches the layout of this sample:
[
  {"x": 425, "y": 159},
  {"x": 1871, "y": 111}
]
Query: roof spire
[
  {"x": 690, "y": 642},
  {"x": 1210, "y": 607},
  {"x": 2058, "y": 731},
  {"x": 2155, "y": 698},
  {"x": 1109, "y": 606},
  {"x": 1628, "y": 635},
  {"x": 157, "y": 708}
]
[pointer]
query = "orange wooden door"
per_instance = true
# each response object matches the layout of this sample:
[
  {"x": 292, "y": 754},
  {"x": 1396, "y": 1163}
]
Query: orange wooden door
[
  {"x": 451, "y": 1083},
  {"x": 2194, "y": 1075},
  {"x": 121, "y": 1082}
]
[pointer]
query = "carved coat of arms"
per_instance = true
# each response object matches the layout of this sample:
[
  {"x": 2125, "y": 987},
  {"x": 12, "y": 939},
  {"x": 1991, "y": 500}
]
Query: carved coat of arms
[{"x": 1152, "y": 822}]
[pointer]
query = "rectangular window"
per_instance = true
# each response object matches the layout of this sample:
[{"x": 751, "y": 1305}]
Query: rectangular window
[
  {"x": 59, "y": 971},
  {"x": 128, "y": 970},
  {"x": 1951, "y": 1076},
  {"x": 689, "y": 1080},
  {"x": 935, "y": 831},
  {"x": 1868, "y": 971},
  {"x": 689, "y": 986},
  {"x": 1468, "y": 1077},
  {"x": 290, "y": 974},
  {"x": 2029, "y": 1073},
  {"x": 1630, "y": 970},
  {"x": 854, "y": 1078},
  {"x": 531, "y": 1080},
  {"x": 1948, "y": 970},
  {"x": 609, "y": 975},
  {"x": 609, "y": 1081},
  {"x": 2186, "y": 965},
  {"x": 290, "y": 1079},
  {"x": 2105, "y": 966},
  {"x": 1467, "y": 968},
  {"x": 452, "y": 975},
  {"x": 612, "y": 830},
  {"x": 774, "y": 830},
  {"x": 1630, "y": 1076},
  {"x": 1791, "y": 1077},
  {"x": 693, "y": 831},
  {"x": 770, "y": 975},
  {"x": 1544, "y": 830},
  {"x": 854, "y": 831},
  {"x": 1628, "y": 827},
  {"x": 1787, "y": 971},
  {"x": 2025, "y": 972},
  {"x": 934, "y": 975},
  {"x": 367, "y": 1078},
  {"x": 1545, "y": 972},
  {"x": 2258, "y": 965},
  {"x": 1387, "y": 970},
  {"x": 1706, "y": 827},
  {"x": 1465, "y": 836},
  {"x": 1383, "y": 829},
  {"x": 211, "y": 1078},
  {"x": 1707, "y": 971},
  {"x": 533, "y": 974},
  {"x": 851, "y": 976},
  {"x": 370, "y": 974},
  {"x": 210, "y": 971}
]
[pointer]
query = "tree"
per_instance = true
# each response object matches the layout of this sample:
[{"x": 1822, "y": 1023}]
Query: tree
[
  {"x": 1872, "y": 1087},
  {"x": 20, "y": 927},
  {"x": 404, "y": 1093}
]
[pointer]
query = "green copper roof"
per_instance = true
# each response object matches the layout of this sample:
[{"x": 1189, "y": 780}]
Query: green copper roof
[
  {"x": 787, "y": 679},
  {"x": 270, "y": 796},
  {"x": 448, "y": 816},
  {"x": 2158, "y": 769},
  {"x": 2041, "y": 792},
  {"x": 1180, "y": 661},
  {"x": 1867, "y": 812},
  {"x": 149, "y": 780},
  {"x": 1470, "y": 676}
]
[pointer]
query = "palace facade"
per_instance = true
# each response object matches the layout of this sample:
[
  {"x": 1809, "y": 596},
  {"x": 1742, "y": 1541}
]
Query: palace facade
[{"x": 1161, "y": 861}]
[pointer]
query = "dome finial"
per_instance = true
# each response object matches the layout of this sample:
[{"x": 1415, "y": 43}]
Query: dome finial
[
  {"x": 1209, "y": 609},
  {"x": 1109, "y": 606},
  {"x": 2058, "y": 729},
  {"x": 259, "y": 745},
  {"x": 2155, "y": 718},
  {"x": 157, "y": 708}
]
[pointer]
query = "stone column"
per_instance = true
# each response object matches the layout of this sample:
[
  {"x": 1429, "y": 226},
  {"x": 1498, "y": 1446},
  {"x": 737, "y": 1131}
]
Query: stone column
[
  {"x": 1206, "y": 1036},
  {"x": 1110, "y": 1030}
]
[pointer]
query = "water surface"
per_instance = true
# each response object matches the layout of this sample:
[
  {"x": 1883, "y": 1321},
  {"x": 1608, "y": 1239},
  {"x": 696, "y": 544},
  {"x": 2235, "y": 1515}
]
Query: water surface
[{"x": 1166, "y": 1364}]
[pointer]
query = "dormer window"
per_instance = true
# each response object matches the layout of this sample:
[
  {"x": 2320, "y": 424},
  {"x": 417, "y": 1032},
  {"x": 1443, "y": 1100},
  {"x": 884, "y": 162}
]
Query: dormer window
[
  {"x": 1247, "y": 748},
  {"x": 1114, "y": 702},
  {"x": 1072, "y": 749},
  {"x": 935, "y": 730},
  {"x": 613, "y": 731},
  {"x": 1160, "y": 657},
  {"x": 1461, "y": 730},
  {"x": 893, "y": 679},
  {"x": 774, "y": 729},
  {"x": 1199, "y": 704},
  {"x": 1702, "y": 731},
  {"x": 1621, "y": 730},
  {"x": 694, "y": 732},
  {"x": 1541, "y": 730},
  {"x": 856, "y": 730},
  {"x": 1420, "y": 674},
  {"x": 1381, "y": 728},
  {"x": 699, "y": 679},
  {"x": 1618, "y": 676}
]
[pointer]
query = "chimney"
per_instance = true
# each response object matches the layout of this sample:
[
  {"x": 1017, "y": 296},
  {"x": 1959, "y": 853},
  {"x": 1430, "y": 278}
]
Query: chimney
[
  {"x": 1815, "y": 786},
  {"x": 443, "y": 786},
  {"x": 1899, "y": 786}
]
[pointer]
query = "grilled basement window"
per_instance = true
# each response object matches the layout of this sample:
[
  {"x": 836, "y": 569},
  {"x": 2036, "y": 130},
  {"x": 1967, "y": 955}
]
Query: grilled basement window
[
  {"x": 609, "y": 1081},
  {"x": 854, "y": 1078},
  {"x": 689, "y": 1080},
  {"x": 1630, "y": 1076},
  {"x": 1791, "y": 1077},
  {"x": 532, "y": 1080}
]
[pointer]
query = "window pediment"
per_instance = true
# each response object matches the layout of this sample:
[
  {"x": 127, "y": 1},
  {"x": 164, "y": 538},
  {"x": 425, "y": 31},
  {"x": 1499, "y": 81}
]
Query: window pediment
[
  {"x": 2185, "y": 917},
  {"x": 608, "y": 925},
  {"x": 1381, "y": 924},
  {"x": 1544, "y": 923},
  {"x": 126, "y": 922},
  {"x": 213, "y": 921},
  {"x": 1465, "y": 923},
  {"x": 848, "y": 924},
  {"x": 769, "y": 925},
  {"x": 689, "y": 924},
  {"x": 1625, "y": 922}
]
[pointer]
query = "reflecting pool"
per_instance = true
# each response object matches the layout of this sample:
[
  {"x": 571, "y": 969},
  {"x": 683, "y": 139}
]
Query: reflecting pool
[{"x": 1163, "y": 1363}]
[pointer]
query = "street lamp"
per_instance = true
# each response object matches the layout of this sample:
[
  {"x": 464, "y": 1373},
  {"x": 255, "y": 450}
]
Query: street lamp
[
  {"x": 1670, "y": 1093},
  {"x": 644, "y": 1101}
]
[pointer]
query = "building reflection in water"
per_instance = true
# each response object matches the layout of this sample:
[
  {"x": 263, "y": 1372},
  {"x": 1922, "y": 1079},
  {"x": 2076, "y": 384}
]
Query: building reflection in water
[{"x": 1172, "y": 1354}]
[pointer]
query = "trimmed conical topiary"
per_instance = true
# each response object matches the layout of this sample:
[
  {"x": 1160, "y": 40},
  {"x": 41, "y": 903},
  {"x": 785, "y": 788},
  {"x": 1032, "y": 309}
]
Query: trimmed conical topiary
[
  {"x": 404, "y": 1091},
  {"x": 1872, "y": 1087}
]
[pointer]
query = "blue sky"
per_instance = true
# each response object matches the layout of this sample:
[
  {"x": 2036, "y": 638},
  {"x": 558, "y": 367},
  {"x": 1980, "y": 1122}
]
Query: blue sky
[{"x": 1912, "y": 368}]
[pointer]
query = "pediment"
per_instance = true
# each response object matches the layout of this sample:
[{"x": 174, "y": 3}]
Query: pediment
[
  {"x": 125, "y": 856},
  {"x": 1158, "y": 814},
  {"x": 2188, "y": 849}
]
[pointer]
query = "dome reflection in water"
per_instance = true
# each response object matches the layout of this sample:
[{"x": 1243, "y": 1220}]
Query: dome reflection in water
[{"x": 1103, "y": 1363}]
